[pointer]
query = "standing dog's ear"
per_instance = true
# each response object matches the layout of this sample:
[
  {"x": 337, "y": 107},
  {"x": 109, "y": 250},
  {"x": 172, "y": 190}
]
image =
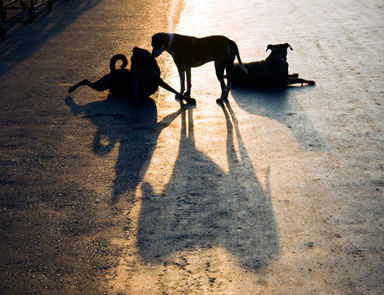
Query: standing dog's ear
[
  {"x": 158, "y": 41},
  {"x": 270, "y": 47},
  {"x": 165, "y": 40}
]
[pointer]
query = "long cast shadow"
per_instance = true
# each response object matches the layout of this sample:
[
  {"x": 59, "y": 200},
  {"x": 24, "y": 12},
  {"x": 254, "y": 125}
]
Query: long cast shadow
[
  {"x": 282, "y": 105},
  {"x": 25, "y": 38},
  {"x": 135, "y": 130},
  {"x": 202, "y": 206}
]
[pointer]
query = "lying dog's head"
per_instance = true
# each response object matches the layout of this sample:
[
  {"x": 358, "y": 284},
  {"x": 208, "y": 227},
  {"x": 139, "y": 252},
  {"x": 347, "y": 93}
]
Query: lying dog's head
[
  {"x": 159, "y": 44},
  {"x": 140, "y": 56},
  {"x": 140, "y": 53},
  {"x": 284, "y": 46},
  {"x": 279, "y": 50},
  {"x": 142, "y": 59}
]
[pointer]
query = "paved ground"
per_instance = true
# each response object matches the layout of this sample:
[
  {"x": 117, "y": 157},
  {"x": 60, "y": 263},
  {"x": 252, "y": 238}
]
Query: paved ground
[{"x": 276, "y": 192}]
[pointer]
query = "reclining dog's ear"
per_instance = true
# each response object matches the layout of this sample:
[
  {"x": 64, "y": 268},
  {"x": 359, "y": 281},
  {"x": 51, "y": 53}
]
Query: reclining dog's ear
[
  {"x": 288, "y": 46},
  {"x": 270, "y": 47}
]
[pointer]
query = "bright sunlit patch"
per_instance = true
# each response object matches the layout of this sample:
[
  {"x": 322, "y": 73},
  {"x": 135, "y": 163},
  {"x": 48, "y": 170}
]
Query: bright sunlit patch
[
  {"x": 203, "y": 268},
  {"x": 190, "y": 25}
]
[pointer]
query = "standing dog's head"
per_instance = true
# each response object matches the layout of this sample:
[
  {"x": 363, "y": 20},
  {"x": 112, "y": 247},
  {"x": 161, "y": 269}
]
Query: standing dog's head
[{"x": 160, "y": 43}]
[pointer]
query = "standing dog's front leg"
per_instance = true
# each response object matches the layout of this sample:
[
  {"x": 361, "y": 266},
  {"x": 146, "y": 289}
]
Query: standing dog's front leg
[
  {"x": 189, "y": 83},
  {"x": 182, "y": 84},
  {"x": 182, "y": 81}
]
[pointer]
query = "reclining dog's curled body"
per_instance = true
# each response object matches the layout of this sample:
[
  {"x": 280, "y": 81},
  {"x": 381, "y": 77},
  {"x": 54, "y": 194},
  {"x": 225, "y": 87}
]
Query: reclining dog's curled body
[
  {"x": 140, "y": 82},
  {"x": 117, "y": 81},
  {"x": 271, "y": 72}
]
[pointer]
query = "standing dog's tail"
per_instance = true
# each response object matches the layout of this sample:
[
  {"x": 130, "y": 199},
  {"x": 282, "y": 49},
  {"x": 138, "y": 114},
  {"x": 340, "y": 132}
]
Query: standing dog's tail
[
  {"x": 236, "y": 49},
  {"x": 115, "y": 58}
]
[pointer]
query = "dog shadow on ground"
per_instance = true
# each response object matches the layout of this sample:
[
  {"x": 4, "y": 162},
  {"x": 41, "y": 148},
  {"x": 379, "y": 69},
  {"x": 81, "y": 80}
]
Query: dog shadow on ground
[
  {"x": 135, "y": 130},
  {"x": 282, "y": 105},
  {"x": 14, "y": 51},
  {"x": 202, "y": 206}
]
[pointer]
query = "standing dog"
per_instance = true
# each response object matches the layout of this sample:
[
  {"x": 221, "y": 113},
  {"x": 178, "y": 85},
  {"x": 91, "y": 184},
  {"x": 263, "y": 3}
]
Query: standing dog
[
  {"x": 189, "y": 52},
  {"x": 142, "y": 80},
  {"x": 271, "y": 72}
]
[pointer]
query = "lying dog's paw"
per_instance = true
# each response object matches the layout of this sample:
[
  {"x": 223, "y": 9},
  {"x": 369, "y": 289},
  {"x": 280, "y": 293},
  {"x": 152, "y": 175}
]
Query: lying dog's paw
[
  {"x": 182, "y": 96},
  {"x": 311, "y": 83},
  {"x": 187, "y": 99}
]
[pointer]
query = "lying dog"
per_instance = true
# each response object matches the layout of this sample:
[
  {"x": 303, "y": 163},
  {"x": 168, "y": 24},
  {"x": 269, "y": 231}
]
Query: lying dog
[
  {"x": 271, "y": 72},
  {"x": 189, "y": 52},
  {"x": 141, "y": 81},
  {"x": 117, "y": 81}
]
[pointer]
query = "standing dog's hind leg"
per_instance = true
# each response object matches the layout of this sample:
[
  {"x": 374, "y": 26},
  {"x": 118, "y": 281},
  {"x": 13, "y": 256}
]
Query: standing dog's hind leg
[
  {"x": 228, "y": 70},
  {"x": 228, "y": 66},
  {"x": 220, "y": 77}
]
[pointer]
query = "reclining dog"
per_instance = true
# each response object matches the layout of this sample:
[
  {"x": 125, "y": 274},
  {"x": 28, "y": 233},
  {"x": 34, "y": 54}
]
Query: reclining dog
[
  {"x": 271, "y": 72},
  {"x": 189, "y": 52},
  {"x": 141, "y": 81}
]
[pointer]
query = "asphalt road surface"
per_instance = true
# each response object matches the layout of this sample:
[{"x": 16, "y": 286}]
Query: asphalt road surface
[{"x": 273, "y": 192}]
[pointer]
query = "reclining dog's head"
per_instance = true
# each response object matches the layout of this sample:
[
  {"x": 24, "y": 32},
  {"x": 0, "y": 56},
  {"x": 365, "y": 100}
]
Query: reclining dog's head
[
  {"x": 159, "y": 42},
  {"x": 140, "y": 55},
  {"x": 279, "y": 50}
]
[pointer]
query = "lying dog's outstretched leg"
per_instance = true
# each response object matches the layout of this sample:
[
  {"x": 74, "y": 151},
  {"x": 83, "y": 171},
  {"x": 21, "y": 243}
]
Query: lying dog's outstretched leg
[
  {"x": 292, "y": 81},
  {"x": 295, "y": 76},
  {"x": 81, "y": 83},
  {"x": 100, "y": 85},
  {"x": 178, "y": 95}
]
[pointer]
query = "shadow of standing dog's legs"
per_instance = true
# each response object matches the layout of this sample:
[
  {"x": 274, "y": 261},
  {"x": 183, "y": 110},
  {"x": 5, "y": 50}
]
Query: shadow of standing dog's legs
[{"x": 203, "y": 207}]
